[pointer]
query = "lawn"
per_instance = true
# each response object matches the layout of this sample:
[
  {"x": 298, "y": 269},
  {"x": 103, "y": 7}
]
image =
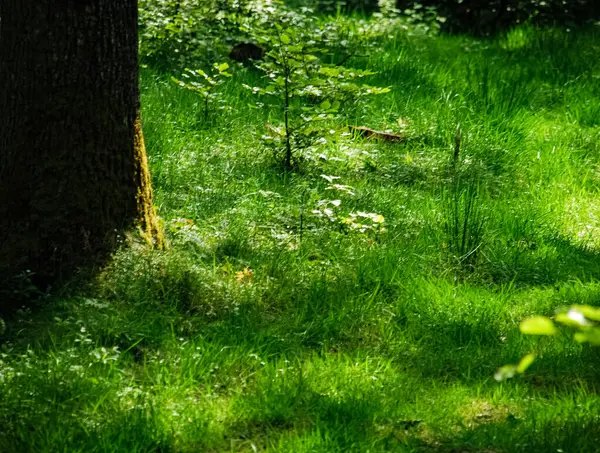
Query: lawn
[{"x": 361, "y": 302}]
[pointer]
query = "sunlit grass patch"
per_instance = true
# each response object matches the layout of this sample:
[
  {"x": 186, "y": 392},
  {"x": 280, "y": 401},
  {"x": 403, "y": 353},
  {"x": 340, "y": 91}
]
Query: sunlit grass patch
[{"x": 335, "y": 308}]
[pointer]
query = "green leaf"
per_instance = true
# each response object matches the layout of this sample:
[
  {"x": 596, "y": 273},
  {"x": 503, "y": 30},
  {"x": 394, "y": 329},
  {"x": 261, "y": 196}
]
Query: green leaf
[
  {"x": 505, "y": 372},
  {"x": 331, "y": 72},
  {"x": 572, "y": 318},
  {"x": 325, "y": 105},
  {"x": 538, "y": 325},
  {"x": 178, "y": 82},
  {"x": 285, "y": 39},
  {"x": 525, "y": 362},
  {"x": 587, "y": 311},
  {"x": 223, "y": 67},
  {"x": 591, "y": 336}
]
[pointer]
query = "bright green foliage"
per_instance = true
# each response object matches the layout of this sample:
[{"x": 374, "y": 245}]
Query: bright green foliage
[
  {"x": 206, "y": 86},
  {"x": 307, "y": 91},
  {"x": 183, "y": 32},
  {"x": 538, "y": 325},
  {"x": 583, "y": 319},
  {"x": 509, "y": 371}
]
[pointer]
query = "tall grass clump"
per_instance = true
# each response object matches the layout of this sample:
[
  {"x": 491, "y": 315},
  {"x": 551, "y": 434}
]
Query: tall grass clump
[
  {"x": 462, "y": 211},
  {"x": 464, "y": 222}
]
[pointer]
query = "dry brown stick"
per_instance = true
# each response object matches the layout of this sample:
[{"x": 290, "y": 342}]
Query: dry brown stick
[{"x": 365, "y": 132}]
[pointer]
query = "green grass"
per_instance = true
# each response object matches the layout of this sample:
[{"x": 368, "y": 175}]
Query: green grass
[{"x": 267, "y": 328}]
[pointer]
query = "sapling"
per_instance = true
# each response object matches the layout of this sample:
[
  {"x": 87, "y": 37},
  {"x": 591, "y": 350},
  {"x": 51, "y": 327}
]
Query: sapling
[
  {"x": 205, "y": 85},
  {"x": 305, "y": 89}
]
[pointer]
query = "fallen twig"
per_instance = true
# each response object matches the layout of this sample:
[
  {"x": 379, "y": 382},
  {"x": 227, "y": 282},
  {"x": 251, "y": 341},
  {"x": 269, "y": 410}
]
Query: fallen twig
[{"x": 365, "y": 132}]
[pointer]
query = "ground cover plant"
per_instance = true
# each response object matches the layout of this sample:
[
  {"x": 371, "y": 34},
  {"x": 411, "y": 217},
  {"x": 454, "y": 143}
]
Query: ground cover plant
[{"x": 359, "y": 301}]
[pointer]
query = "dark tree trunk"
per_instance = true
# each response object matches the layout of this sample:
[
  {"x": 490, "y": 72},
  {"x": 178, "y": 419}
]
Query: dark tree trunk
[{"x": 73, "y": 168}]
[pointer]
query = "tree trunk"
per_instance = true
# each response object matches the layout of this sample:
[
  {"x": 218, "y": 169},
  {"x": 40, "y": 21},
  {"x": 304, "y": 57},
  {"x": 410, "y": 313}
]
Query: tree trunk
[{"x": 73, "y": 167}]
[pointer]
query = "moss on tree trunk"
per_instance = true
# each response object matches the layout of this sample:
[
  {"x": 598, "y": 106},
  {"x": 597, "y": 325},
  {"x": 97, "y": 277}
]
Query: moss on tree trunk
[{"x": 73, "y": 167}]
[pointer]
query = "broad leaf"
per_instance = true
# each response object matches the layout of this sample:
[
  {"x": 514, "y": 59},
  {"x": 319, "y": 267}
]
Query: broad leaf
[
  {"x": 525, "y": 362},
  {"x": 591, "y": 336},
  {"x": 589, "y": 312},
  {"x": 538, "y": 325},
  {"x": 505, "y": 372}
]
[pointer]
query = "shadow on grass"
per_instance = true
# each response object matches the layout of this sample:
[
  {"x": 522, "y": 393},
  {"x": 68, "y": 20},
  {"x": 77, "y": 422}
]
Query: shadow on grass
[{"x": 543, "y": 261}]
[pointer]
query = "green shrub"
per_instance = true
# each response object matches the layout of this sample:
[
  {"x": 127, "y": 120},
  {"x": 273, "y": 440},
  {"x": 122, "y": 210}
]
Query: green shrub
[
  {"x": 191, "y": 30},
  {"x": 306, "y": 90},
  {"x": 332, "y": 6},
  {"x": 487, "y": 17}
]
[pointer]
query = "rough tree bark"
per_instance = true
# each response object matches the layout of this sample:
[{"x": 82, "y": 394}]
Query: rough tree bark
[{"x": 73, "y": 167}]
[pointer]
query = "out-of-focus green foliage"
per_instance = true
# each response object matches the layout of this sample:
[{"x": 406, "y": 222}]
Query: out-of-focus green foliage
[
  {"x": 333, "y": 6},
  {"x": 186, "y": 29},
  {"x": 490, "y": 16},
  {"x": 583, "y": 320}
]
